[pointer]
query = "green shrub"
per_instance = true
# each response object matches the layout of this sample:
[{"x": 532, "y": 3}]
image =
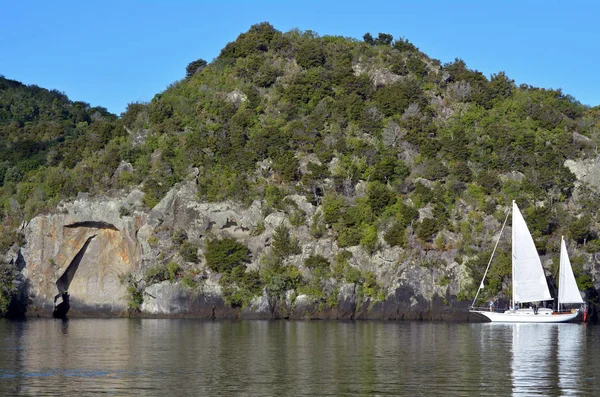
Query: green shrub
[
  {"x": 162, "y": 272},
  {"x": 579, "y": 230},
  {"x": 189, "y": 251},
  {"x": 396, "y": 235},
  {"x": 369, "y": 239},
  {"x": 310, "y": 54},
  {"x": 283, "y": 245},
  {"x": 239, "y": 286},
  {"x": 135, "y": 294},
  {"x": 333, "y": 206},
  {"x": 222, "y": 255},
  {"x": 8, "y": 288},
  {"x": 179, "y": 237},
  {"x": 349, "y": 237},
  {"x": 379, "y": 197},
  {"x": 427, "y": 228},
  {"x": 173, "y": 270},
  {"x": 317, "y": 226},
  {"x": 316, "y": 262}
]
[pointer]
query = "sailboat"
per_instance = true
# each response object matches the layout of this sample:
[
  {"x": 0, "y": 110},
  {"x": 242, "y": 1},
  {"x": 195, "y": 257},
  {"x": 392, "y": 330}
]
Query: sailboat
[{"x": 529, "y": 282}]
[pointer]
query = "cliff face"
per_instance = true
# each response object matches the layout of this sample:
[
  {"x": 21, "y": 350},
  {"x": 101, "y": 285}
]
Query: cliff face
[
  {"x": 83, "y": 248},
  {"x": 87, "y": 246}
]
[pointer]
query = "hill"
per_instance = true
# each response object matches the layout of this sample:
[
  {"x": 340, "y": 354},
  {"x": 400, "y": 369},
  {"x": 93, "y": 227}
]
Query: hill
[{"x": 381, "y": 165}]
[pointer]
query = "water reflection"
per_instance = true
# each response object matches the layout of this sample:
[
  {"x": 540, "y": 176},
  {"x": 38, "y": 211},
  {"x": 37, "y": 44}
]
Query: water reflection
[
  {"x": 545, "y": 359},
  {"x": 187, "y": 357},
  {"x": 534, "y": 366}
]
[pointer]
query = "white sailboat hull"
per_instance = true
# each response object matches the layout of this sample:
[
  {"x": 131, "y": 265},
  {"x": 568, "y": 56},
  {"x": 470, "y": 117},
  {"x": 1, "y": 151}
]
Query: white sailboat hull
[{"x": 527, "y": 316}]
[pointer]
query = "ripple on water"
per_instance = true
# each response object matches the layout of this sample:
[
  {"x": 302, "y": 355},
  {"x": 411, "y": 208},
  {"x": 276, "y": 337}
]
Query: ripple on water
[{"x": 179, "y": 357}]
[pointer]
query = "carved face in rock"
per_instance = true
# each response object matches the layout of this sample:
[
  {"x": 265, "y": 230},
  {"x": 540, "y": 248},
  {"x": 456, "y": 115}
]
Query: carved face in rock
[{"x": 86, "y": 259}]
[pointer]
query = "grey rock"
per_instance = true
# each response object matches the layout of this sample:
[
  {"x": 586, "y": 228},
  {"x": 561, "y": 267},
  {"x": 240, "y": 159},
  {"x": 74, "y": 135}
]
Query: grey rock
[
  {"x": 586, "y": 171},
  {"x": 237, "y": 97}
]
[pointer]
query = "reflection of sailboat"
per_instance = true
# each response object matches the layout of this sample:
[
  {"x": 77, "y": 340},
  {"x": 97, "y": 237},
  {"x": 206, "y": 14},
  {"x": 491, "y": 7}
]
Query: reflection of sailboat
[
  {"x": 570, "y": 358},
  {"x": 533, "y": 365},
  {"x": 529, "y": 282}
]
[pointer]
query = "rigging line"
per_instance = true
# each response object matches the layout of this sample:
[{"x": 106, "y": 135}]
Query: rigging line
[{"x": 491, "y": 257}]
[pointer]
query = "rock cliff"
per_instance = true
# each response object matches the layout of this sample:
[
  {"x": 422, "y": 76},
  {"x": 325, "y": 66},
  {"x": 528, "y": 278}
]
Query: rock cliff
[{"x": 87, "y": 246}]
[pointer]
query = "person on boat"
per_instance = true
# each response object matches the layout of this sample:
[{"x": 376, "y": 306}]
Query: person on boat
[
  {"x": 535, "y": 309},
  {"x": 491, "y": 305}
]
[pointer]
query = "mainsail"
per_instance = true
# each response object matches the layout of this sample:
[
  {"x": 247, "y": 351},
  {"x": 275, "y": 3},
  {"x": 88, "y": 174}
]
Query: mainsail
[
  {"x": 567, "y": 286},
  {"x": 529, "y": 281}
]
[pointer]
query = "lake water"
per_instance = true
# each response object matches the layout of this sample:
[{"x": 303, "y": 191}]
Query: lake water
[{"x": 284, "y": 358}]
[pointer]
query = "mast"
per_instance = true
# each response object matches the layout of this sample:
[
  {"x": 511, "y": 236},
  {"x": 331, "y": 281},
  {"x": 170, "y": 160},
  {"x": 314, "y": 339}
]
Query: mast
[
  {"x": 560, "y": 269},
  {"x": 513, "y": 303}
]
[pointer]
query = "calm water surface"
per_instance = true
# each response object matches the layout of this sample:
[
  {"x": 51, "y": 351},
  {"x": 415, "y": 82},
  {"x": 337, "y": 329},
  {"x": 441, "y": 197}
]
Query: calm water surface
[{"x": 254, "y": 358}]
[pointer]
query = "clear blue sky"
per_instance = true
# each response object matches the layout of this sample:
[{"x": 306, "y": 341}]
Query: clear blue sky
[{"x": 111, "y": 53}]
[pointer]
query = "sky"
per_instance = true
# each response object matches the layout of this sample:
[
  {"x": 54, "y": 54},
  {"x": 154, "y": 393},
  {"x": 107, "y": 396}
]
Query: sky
[{"x": 112, "y": 53}]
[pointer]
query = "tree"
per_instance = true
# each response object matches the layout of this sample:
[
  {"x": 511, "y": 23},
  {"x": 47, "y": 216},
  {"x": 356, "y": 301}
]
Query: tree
[
  {"x": 501, "y": 86},
  {"x": 396, "y": 235},
  {"x": 379, "y": 196},
  {"x": 222, "y": 255},
  {"x": 194, "y": 67},
  {"x": 310, "y": 54},
  {"x": 283, "y": 244},
  {"x": 316, "y": 262},
  {"x": 426, "y": 229},
  {"x": 384, "y": 39},
  {"x": 8, "y": 288}
]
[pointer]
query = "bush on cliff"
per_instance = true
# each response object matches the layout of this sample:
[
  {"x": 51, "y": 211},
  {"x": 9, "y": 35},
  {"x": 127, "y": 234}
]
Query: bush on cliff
[
  {"x": 223, "y": 255},
  {"x": 8, "y": 287}
]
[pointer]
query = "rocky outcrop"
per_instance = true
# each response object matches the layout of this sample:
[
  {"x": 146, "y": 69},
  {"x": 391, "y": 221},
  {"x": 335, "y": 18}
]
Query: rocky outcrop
[
  {"x": 587, "y": 172},
  {"x": 85, "y": 247}
]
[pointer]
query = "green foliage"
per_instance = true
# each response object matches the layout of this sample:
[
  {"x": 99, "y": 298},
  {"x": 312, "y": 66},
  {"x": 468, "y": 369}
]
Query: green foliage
[
  {"x": 382, "y": 39},
  {"x": 135, "y": 293},
  {"x": 349, "y": 237},
  {"x": 179, "y": 237},
  {"x": 579, "y": 230},
  {"x": 194, "y": 67},
  {"x": 316, "y": 262},
  {"x": 396, "y": 235},
  {"x": 583, "y": 279},
  {"x": 394, "y": 99},
  {"x": 379, "y": 197},
  {"x": 310, "y": 54},
  {"x": 240, "y": 286},
  {"x": 283, "y": 245},
  {"x": 8, "y": 287},
  {"x": 427, "y": 228},
  {"x": 161, "y": 272},
  {"x": 389, "y": 168},
  {"x": 369, "y": 239},
  {"x": 332, "y": 208},
  {"x": 280, "y": 279},
  {"x": 256, "y": 40},
  {"x": 223, "y": 255},
  {"x": 189, "y": 252}
]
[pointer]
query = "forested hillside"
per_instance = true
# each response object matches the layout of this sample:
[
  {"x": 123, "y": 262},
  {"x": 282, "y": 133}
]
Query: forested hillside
[
  {"x": 396, "y": 150},
  {"x": 50, "y": 148}
]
